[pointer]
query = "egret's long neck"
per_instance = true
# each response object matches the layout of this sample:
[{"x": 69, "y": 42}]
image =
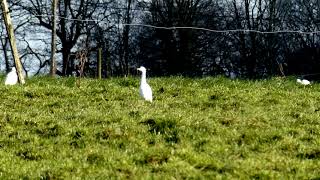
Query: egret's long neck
[{"x": 143, "y": 77}]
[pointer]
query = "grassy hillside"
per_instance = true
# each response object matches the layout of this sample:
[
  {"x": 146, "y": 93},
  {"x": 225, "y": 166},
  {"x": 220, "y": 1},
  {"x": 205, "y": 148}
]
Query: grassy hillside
[{"x": 195, "y": 128}]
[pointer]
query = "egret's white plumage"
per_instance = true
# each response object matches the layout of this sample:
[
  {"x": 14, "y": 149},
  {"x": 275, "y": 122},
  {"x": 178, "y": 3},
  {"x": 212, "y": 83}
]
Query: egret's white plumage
[
  {"x": 12, "y": 77},
  {"x": 303, "y": 81},
  {"x": 145, "y": 89}
]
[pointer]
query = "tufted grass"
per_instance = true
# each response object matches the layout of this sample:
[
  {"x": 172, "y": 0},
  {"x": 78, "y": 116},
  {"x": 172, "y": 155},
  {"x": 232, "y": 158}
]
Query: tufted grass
[{"x": 201, "y": 128}]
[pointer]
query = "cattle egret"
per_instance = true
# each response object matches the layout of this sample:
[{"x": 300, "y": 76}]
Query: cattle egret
[
  {"x": 303, "y": 82},
  {"x": 145, "y": 89},
  {"x": 12, "y": 77}
]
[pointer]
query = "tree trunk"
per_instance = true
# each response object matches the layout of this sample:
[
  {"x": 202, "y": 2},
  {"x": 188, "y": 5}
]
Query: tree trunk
[
  {"x": 66, "y": 59},
  {"x": 126, "y": 38},
  {"x": 4, "y": 43},
  {"x": 53, "y": 67},
  {"x": 9, "y": 27}
]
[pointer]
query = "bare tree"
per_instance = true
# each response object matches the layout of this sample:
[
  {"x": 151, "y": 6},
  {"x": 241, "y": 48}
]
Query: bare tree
[{"x": 73, "y": 20}]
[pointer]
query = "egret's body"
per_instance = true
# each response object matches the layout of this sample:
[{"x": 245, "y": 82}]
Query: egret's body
[
  {"x": 12, "y": 77},
  {"x": 303, "y": 82},
  {"x": 145, "y": 89}
]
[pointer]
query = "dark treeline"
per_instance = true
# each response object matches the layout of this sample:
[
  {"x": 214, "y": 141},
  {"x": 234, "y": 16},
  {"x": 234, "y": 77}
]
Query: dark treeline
[{"x": 90, "y": 25}]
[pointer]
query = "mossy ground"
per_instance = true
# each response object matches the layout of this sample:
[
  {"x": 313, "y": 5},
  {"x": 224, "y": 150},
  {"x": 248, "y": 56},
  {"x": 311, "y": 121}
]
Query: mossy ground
[{"x": 195, "y": 128}]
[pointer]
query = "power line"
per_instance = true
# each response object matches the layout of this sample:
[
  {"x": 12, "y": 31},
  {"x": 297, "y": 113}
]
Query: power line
[
  {"x": 223, "y": 31},
  {"x": 194, "y": 28}
]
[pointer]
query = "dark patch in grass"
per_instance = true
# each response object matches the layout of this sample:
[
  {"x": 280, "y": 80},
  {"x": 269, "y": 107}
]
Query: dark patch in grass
[
  {"x": 128, "y": 83},
  {"x": 206, "y": 105},
  {"x": 48, "y": 132},
  {"x": 79, "y": 143},
  {"x": 160, "y": 126},
  {"x": 260, "y": 176},
  {"x": 270, "y": 101},
  {"x": 29, "y": 95},
  {"x": 111, "y": 134},
  {"x": 103, "y": 135},
  {"x": 30, "y": 123},
  {"x": 121, "y": 145},
  {"x": 168, "y": 128},
  {"x": 247, "y": 139},
  {"x": 200, "y": 144},
  {"x": 271, "y": 138},
  {"x": 172, "y": 137},
  {"x": 7, "y": 118},
  {"x": 212, "y": 167},
  {"x": 55, "y": 93},
  {"x": 70, "y": 117},
  {"x": 128, "y": 174},
  {"x": 24, "y": 177},
  {"x": 13, "y": 135},
  {"x": 119, "y": 98},
  {"x": 213, "y": 97},
  {"x": 315, "y": 154},
  {"x": 231, "y": 106},
  {"x": 295, "y": 115},
  {"x": 77, "y": 135},
  {"x": 161, "y": 90},
  {"x": 156, "y": 159},
  {"x": 308, "y": 139},
  {"x": 206, "y": 167},
  {"x": 48, "y": 175},
  {"x": 134, "y": 114},
  {"x": 28, "y": 155},
  {"x": 276, "y": 138},
  {"x": 313, "y": 132},
  {"x": 293, "y": 133},
  {"x": 226, "y": 122},
  {"x": 54, "y": 105},
  {"x": 175, "y": 94},
  {"x": 152, "y": 142},
  {"x": 95, "y": 158},
  {"x": 149, "y": 122},
  {"x": 6, "y": 143},
  {"x": 241, "y": 140}
]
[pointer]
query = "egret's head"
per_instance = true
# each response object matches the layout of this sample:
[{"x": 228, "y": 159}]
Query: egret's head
[
  {"x": 13, "y": 69},
  {"x": 142, "y": 69}
]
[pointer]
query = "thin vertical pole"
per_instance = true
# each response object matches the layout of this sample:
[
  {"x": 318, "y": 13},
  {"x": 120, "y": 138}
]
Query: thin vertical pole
[
  {"x": 53, "y": 67},
  {"x": 10, "y": 31}
]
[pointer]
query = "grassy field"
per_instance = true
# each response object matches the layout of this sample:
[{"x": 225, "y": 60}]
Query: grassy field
[{"x": 195, "y": 128}]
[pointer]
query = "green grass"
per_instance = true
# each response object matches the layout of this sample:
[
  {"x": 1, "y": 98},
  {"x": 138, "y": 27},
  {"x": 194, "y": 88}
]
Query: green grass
[{"x": 204, "y": 128}]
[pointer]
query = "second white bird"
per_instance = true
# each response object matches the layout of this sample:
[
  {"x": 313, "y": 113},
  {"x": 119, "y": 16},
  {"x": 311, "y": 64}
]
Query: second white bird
[
  {"x": 12, "y": 77},
  {"x": 303, "y": 81}
]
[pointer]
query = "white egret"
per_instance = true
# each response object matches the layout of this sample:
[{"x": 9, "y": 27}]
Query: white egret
[
  {"x": 303, "y": 81},
  {"x": 12, "y": 77},
  {"x": 145, "y": 89}
]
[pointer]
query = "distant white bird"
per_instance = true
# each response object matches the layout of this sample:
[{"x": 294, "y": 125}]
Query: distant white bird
[
  {"x": 303, "y": 82},
  {"x": 145, "y": 89},
  {"x": 12, "y": 77}
]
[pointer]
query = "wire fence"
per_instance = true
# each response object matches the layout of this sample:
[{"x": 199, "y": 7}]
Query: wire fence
[{"x": 191, "y": 27}]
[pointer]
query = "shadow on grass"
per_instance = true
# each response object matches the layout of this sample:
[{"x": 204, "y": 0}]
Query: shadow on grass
[{"x": 167, "y": 128}]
